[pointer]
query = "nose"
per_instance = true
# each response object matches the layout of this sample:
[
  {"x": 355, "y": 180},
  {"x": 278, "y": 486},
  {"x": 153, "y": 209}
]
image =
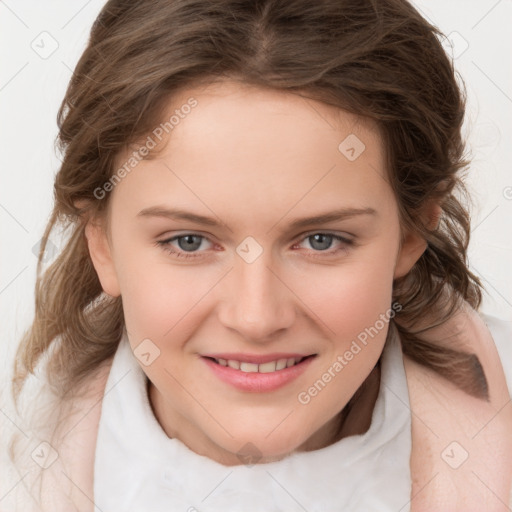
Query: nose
[{"x": 257, "y": 303}]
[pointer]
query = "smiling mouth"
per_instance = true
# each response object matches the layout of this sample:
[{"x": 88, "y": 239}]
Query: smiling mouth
[
  {"x": 268, "y": 367},
  {"x": 256, "y": 373}
]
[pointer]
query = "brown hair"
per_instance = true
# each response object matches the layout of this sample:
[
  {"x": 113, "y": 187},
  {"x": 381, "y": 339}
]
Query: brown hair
[{"x": 378, "y": 59}]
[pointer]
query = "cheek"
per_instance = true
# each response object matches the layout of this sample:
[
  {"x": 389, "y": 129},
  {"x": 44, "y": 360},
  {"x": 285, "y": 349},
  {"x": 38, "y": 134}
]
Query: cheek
[
  {"x": 157, "y": 297},
  {"x": 349, "y": 297},
  {"x": 352, "y": 303},
  {"x": 166, "y": 303}
]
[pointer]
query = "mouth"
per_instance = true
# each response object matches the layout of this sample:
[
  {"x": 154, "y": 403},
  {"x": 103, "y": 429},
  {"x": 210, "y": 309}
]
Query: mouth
[
  {"x": 258, "y": 374},
  {"x": 254, "y": 367}
]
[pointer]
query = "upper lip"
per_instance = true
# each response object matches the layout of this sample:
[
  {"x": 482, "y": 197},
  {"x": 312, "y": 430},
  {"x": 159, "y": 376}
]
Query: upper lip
[{"x": 255, "y": 358}]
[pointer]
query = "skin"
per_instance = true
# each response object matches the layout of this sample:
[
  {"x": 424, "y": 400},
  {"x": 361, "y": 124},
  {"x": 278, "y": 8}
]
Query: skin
[
  {"x": 254, "y": 160},
  {"x": 461, "y": 446}
]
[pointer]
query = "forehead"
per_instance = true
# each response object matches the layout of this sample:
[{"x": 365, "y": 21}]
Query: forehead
[
  {"x": 247, "y": 147},
  {"x": 229, "y": 105}
]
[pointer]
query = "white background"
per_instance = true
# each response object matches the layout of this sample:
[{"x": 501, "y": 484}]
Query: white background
[{"x": 31, "y": 89}]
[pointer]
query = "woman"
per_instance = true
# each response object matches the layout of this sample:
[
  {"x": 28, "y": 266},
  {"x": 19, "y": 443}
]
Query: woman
[{"x": 197, "y": 138}]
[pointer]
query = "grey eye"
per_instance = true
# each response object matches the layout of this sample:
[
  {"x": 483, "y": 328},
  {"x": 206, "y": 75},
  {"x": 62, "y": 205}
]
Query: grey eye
[
  {"x": 189, "y": 242},
  {"x": 320, "y": 241}
]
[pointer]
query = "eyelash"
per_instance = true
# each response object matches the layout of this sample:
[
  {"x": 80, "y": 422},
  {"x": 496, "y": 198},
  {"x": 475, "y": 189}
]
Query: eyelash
[{"x": 165, "y": 245}]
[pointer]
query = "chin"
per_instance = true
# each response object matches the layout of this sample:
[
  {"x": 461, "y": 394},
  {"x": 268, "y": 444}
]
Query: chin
[
  {"x": 258, "y": 446},
  {"x": 251, "y": 453}
]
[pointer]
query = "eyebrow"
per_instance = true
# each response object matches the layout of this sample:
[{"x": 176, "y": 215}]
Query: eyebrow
[{"x": 177, "y": 214}]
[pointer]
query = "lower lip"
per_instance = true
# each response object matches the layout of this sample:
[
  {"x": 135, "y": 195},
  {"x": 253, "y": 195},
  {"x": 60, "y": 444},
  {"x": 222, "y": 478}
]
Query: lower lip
[{"x": 256, "y": 382}]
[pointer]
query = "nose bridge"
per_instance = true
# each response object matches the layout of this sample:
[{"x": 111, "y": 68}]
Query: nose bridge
[{"x": 258, "y": 303}]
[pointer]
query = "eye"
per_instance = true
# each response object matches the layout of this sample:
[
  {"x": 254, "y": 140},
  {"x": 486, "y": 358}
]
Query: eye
[
  {"x": 322, "y": 242},
  {"x": 186, "y": 245}
]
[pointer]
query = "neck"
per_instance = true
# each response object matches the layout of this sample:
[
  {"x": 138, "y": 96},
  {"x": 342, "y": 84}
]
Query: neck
[{"x": 354, "y": 419}]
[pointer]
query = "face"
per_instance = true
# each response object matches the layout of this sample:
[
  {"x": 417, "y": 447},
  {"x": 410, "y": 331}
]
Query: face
[{"x": 251, "y": 255}]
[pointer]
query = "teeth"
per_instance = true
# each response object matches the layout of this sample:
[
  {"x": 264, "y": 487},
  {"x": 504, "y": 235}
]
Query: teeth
[
  {"x": 281, "y": 364},
  {"x": 269, "y": 367},
  {"x": 249, "y": 367},
  {"x": 234, "y": 364}
]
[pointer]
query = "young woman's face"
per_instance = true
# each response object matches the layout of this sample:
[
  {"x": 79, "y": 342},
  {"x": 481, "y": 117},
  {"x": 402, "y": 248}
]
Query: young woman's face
[{"x": 217, "y": 264}]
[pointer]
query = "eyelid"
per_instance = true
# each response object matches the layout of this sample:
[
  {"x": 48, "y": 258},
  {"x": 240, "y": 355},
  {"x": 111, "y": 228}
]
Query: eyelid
[
  {"x": 349, "y": 237},
  {"x": 347, "y": 243},
  {"x": 166, "y": 242}
]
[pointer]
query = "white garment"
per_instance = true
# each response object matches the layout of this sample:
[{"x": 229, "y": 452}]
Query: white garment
[
  {"x": 138, "y": 468},
  {"x": 501, "y": 331}
]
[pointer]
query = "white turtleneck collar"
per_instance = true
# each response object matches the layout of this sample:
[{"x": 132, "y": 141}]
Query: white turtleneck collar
[{"x": 139, "y": 468}]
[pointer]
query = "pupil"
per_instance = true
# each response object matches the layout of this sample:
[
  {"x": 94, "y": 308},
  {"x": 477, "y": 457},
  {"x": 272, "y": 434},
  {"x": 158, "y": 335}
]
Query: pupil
[
  {"x": 187, "y": 242},
  {"x": 322, "y": 238}
]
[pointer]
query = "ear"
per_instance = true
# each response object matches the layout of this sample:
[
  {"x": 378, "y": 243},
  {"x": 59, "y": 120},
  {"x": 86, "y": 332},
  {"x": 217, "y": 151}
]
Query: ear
[
  {"x": 414, "y": 245},
  {"x": 101, "y": 256}
]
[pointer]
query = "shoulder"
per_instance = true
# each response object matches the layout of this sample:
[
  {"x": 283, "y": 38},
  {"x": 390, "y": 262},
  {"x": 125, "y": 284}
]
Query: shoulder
[{"x": 461, "y": 445}]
